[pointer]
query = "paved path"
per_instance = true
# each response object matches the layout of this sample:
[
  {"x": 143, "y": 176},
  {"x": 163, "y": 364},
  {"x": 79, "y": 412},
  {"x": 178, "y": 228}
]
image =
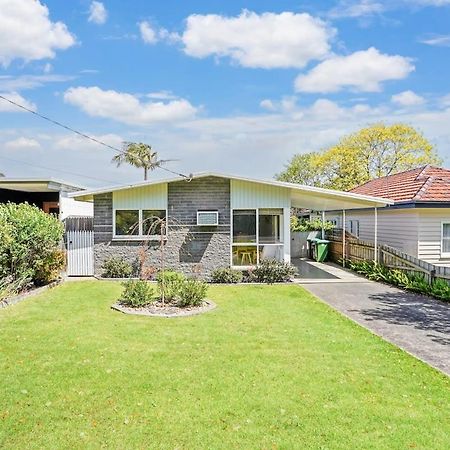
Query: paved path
[{"x": 417, "y": 324}]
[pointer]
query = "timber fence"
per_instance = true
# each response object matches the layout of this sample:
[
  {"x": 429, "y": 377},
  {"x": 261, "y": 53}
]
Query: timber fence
[{"x": 359, "y": 250}]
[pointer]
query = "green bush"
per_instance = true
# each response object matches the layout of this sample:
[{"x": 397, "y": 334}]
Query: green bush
[
  {"x": 226, "y": 275},
  {"x": 192, "y": 292},
  {"x": 137, "y": 293},
  {"x": 310, "y": 225},
  {"x": 29, "y": 240},
  {"x": 273, "y": 271},
  {"x": 50, "y": 267},
  {"x": 441, "y": 289},
  {"x": 170, "y": 282},
  {"x": 116, "y": 267},
  {"x": 411, "y": 282}
]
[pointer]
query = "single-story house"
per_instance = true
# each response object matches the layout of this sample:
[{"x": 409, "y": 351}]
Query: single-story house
[
  {"x": 48, "y": 194},
  {"x": 213, "y": 220},
  {"x": 418, "y": 222}
]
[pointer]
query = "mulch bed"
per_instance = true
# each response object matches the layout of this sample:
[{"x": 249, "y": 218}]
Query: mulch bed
[{"x": 168, "y": 310}]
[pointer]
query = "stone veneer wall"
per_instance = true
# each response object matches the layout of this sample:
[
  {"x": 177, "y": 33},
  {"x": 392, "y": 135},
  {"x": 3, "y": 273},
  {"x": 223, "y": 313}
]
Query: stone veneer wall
[{"x": 189, "y": 248}]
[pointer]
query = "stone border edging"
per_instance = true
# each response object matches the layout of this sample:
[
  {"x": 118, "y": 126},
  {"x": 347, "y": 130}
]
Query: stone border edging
[
  {"x": 210, "y": 305},
  {"x": 18, "y": 298}
]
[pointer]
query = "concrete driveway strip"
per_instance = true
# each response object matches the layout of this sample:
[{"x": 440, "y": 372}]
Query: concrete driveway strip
[{"x": 418, "y": 324}]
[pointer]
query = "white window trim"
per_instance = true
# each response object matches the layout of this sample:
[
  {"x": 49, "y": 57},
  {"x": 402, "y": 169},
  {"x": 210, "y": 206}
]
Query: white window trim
[
  {"x": 257, "y": 243},
  {"x": 356, "y": 221},
  {"x": 444, "y": 254},
  {"x": 140, "y": 236},
  {"x": 215, "y": 224}
]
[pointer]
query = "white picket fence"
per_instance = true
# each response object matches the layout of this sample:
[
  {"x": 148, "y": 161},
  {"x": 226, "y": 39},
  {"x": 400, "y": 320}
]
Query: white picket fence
[{"x": 80, "y": 246}]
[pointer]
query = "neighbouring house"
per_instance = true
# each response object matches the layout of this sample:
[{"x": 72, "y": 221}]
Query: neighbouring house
[
  {"x": 418, "y": 222},
  {"x": 213, "y": 220},
  {"x": 46, "y": 193}
]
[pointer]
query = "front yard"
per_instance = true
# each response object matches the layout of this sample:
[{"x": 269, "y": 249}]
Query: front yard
[{"x": 271, "y": 367}]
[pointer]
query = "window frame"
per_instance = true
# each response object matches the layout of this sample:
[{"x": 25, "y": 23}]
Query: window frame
[
  {"x": 139, "y": 236},
  {"x": 444, "y": 254},
  {"x": 357, "y": 226},
  {"x": 257, "y": 243}
]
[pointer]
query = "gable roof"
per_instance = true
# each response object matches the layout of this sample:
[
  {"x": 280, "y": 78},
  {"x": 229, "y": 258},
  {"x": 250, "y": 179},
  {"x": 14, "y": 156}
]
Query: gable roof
[
  {"x": 301, "y": 196},
  {"x": 424, "y": 184}
]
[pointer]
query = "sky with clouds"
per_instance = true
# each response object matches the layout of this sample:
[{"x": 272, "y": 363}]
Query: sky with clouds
[{"x": 237, "y": 87}]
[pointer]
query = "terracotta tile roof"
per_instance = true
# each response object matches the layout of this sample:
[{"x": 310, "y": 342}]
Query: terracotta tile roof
[{"x": 427, "y": 183}]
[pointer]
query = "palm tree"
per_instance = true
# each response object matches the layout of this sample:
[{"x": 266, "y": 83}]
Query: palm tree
[{"x": 139, "y": 155}]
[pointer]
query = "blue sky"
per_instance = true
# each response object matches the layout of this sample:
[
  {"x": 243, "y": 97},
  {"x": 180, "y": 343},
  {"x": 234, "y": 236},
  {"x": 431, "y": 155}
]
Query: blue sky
[{"x": 229, "y": 86}]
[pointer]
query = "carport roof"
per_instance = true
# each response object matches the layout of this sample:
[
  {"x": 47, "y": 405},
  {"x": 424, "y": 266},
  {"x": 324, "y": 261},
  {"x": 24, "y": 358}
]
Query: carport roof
[
  {"x": 306, "y": 197},
  {"x": 37, "y": 185}
]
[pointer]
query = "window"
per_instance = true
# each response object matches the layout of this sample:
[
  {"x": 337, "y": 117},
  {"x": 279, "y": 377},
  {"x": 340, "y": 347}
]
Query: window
[
  {"x": 127, "y": 222},
  {"x": 445, "y": 240},
  {"x": 152, "y": 222},
  {"x": 257, "y": 235},
  {"x": 270, "y": 226},
  {"x": 354, "y": 227},
  {"x": 244, "y": 225},
  {"x": 135, "y": 223}
]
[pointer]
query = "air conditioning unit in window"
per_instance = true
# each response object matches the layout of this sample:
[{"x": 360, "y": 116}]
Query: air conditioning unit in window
[{"x": 207, "y": 218}]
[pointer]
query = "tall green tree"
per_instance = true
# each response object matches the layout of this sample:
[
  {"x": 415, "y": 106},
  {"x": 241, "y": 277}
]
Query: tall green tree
[
  {"x": 372, "y": 152},
  {"x": 139, "y": 155}
]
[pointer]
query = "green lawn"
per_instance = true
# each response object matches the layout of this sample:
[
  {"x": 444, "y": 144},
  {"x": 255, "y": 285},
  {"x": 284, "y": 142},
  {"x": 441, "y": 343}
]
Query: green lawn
[{"x": 271, "y": 368}]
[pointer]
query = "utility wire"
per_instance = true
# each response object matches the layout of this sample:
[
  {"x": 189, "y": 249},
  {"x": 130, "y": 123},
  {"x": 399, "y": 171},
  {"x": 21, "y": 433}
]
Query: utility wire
[{"x": 86, "y": 136}]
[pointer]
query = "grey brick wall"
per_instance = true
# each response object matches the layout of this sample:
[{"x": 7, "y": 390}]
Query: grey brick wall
[{"x": 188, "y": 248}]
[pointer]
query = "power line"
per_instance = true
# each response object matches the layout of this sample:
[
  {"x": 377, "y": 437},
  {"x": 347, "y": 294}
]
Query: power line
[{"x": 86, "y": 136}]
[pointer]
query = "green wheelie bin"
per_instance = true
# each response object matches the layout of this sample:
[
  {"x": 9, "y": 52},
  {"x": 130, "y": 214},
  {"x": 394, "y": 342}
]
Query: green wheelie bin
[{"x": 321, "y": 249}]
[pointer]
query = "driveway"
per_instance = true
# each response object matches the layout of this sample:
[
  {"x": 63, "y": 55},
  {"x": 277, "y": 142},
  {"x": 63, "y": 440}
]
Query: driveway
[{"x": 415, "y": 323}]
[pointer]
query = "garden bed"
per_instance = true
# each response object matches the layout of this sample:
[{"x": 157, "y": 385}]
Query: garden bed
[
  {"x": 28, "y": 293},
  {"x": 168, "y": 310}
]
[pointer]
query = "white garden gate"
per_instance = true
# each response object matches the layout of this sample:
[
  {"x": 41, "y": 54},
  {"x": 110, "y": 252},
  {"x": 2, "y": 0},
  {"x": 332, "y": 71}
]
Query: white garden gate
[{"x": 80, "y": 246}]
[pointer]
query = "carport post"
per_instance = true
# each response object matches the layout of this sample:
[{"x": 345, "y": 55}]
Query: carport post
[
  {"x": 376, "y": 236},
  {"x": 323, "y": 224},
  {"x": 343, "y": 238}
]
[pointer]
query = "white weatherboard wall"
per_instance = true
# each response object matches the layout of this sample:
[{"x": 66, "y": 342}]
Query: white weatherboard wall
[
  {"x": 398, "y": 228},
  {"x": 248, "y": 195},
  {"x": 430, "y": 227},
  {"x": 144, "y": 197}
]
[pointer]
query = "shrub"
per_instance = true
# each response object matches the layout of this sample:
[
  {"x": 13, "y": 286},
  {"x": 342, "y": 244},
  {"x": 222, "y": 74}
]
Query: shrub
[
  {"x": 29, "y": 239},
  {"x": 50, "y": 267},
  {"x": 169, "y": 283},
  {"x": 441, "y": 289},
  {"x": 192, "y": 292},
  {"x": 273, "y": 271},
  {"x": 310, "y": 225},
  {"x": 10, "y": 287},
  {"x": 226, "y": 275},
  {"x": 116, "y": 267},
  {"x": 137, "y": 293}
]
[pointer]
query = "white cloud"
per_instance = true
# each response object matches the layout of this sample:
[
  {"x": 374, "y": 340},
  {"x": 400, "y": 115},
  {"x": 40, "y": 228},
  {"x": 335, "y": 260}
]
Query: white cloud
[
  {"x": 362, "y": 8},
  {"x": 267, "y": 104},
  {"x": 161, "y": 95},
  {"x": 127, "y": 108},
  {"x": 97, "y": 13},
  {"x": 22, "y": 143},
  {"x": 17, "y": 98},
  {"x": 437, "y": 40},
  {"x": 265, "y": 40},
  {"x": 407, "y": 98},
  {"x": 22, "y": 82},
  {"x": 72, "y": 142},
  {"x": 148, "y": 34},
  {"x": 27, "y": 33},
  {"x": 361, "y": 71},
  {"x": 431, "y": 2}
]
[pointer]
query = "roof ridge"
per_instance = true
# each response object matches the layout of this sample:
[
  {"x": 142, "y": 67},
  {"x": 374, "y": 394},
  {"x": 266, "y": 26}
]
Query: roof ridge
[{"x": 424, "y": 188}]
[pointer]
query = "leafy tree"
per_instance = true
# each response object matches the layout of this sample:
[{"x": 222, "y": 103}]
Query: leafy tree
[
  {"x": 371, "y": 152},
  {"x": 139, "y": 155}
]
